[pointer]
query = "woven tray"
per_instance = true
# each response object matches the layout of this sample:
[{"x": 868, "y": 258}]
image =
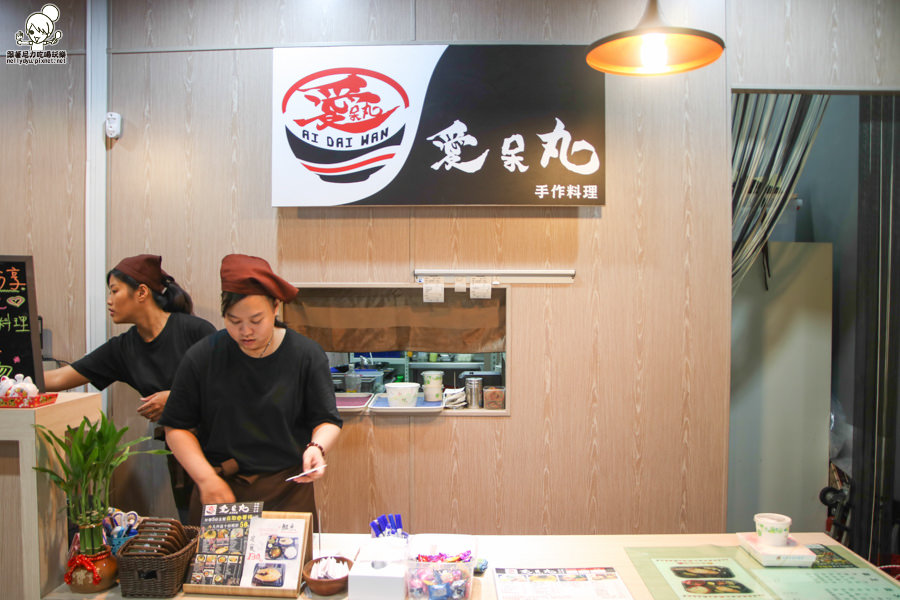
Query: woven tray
[{"x": 156, "y": 576}]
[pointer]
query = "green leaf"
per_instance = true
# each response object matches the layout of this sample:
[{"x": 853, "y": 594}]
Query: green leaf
[{"x": 86, "y": 457}]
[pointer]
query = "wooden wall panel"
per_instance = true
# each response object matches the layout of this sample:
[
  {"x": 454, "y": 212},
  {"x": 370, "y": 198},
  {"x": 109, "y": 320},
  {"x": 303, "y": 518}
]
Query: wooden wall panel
[
  {"x": 368, "y": 474},
  {"x": 42, "y": 173},
  {"x": 191, "y": 172},
  {"x": 608, "y": 413},
  {"x": 11, "y": 500},
  {"x": 167, "y": 24},
  {"x": 374, "y": 245},
  {"x": 491, "y": 238},
  {"x": 811, "y": 44}
]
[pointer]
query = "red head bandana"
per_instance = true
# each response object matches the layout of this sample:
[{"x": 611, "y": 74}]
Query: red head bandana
[
  {"x": 146, "y": 269},
  {"x": 252, "y": 275}
]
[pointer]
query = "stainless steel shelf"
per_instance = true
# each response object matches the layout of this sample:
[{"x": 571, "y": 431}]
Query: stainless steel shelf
[{"x": 448, "y": 364}]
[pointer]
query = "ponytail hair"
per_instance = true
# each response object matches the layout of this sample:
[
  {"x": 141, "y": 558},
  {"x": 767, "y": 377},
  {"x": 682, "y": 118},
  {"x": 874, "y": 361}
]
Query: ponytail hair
[{"x": 173, "y": 298}]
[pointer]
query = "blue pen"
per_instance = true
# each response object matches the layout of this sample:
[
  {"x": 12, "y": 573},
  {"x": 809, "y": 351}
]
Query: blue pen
[
  {"x": 383, "y": 522},
  {"x": 393, "y": 523},
  {"x": 399, "y": 522},
  {"x": 376, "y": 529}
]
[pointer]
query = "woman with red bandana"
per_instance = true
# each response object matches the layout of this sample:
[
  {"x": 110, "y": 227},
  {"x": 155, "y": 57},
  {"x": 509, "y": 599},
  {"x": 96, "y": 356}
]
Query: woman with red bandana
[
  {"x": 253, "y": 404},
  {"x": 147, "y": 355}
]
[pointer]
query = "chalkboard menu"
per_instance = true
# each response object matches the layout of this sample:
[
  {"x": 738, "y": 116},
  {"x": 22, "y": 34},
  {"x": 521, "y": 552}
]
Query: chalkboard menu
[{"x": 20, "y": 342}]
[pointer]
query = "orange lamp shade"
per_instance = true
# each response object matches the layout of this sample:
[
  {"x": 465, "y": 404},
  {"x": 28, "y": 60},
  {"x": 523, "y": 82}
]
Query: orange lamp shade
[{"x": 654, "y": 48}]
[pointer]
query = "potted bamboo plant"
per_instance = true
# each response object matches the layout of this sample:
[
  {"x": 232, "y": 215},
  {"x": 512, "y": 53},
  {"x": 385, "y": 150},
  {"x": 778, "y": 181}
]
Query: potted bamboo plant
[{"x": 87, "y": 455}]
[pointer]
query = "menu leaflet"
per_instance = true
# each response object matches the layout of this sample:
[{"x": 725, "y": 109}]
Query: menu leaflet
[
  {"x": 273, "y": 550},
  {"x": 223, "y": 543},
  {"x": 589, "y": 583}
]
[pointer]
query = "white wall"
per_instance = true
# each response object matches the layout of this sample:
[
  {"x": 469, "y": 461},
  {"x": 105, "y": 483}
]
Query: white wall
[{"x": 780, "y": 386}]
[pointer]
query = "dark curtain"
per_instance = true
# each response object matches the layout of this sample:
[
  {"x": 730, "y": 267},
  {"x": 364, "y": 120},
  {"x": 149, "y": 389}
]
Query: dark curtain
[
  {"x": 771, "y": 135},
  {"x": 877, "y": 331},
  {"x": 389, "y": 319}
]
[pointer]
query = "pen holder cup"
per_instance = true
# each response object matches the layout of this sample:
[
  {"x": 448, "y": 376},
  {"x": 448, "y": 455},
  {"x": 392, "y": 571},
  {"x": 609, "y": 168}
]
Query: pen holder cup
[{"x": 116, "y": 542}]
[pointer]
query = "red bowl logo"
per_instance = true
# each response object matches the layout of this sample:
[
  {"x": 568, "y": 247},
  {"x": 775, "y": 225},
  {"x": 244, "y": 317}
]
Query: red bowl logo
[{"x": 344, "y": 124}]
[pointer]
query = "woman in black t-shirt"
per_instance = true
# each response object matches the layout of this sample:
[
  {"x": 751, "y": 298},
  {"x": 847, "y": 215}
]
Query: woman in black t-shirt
[
  {"x": 253, "y": 404},
  {"x": 147, "y": 355}
]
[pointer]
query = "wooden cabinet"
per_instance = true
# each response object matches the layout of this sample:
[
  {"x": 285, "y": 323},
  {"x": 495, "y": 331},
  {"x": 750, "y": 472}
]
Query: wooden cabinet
[{"x": 33, "y": 532}]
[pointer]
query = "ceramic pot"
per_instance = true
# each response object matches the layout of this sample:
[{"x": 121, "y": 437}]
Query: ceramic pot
[{"x": 81, "y": 577}]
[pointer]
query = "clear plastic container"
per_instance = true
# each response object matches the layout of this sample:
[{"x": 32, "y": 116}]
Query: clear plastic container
[
  {"x": 352, "y": 380},
  {"x": 429, "y": 578}
]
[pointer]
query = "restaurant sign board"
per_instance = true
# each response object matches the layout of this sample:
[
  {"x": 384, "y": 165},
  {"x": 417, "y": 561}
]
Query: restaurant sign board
[{"x": 437, "y": 125}]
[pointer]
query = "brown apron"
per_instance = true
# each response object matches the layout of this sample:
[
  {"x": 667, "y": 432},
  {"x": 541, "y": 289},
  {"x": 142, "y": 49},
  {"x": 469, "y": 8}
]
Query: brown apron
[{"x": 270, "y": 488}]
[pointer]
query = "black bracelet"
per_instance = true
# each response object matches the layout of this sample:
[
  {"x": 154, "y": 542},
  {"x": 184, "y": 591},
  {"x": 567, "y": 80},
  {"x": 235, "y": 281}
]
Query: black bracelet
[{"x": 317, "y": 445}]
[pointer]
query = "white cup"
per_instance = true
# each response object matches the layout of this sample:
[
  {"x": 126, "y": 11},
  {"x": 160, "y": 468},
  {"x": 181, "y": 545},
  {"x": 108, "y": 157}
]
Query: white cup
[
  {"x": 772, "y": 528},
  {"x": 433, "y": 393}
]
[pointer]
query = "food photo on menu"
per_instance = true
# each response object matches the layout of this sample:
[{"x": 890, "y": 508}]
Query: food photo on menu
[
  {"x": 222, "y": 543},
  {"x": 713, "y": 577},
  {"x": 273, "y": 553}
]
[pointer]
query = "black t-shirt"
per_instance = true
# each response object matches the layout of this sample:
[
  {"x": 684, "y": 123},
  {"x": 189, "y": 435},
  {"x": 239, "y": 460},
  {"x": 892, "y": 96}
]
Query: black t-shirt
[
  {"x": 258, "y": 411},
  {"x": 148, "y": 367}
]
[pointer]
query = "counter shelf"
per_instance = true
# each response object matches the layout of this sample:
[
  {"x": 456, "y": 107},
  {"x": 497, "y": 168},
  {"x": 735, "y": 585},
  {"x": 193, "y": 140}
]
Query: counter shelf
[{"x": 379, "y": 405}]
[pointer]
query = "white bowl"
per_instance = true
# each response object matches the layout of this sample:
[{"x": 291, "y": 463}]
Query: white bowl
[{"x": 401, "y": 393}]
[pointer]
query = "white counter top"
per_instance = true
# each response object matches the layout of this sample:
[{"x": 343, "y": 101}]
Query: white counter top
[{"x": 528, "y": 551}]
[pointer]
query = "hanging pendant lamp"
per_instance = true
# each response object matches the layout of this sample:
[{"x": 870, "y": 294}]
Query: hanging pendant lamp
[{"x": 654, "y": 48}]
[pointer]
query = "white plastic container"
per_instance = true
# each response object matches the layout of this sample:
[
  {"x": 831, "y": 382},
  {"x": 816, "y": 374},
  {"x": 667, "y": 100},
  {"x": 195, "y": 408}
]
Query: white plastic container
[{"x": 401, "y": 393}]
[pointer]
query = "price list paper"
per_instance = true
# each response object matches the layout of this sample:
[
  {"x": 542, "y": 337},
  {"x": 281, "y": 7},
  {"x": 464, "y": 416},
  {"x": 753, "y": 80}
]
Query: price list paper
[{"x": 590, "y": 583}]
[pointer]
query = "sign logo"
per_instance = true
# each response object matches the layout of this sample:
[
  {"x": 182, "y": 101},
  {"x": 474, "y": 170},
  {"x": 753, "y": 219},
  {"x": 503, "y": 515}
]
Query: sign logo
[
  {"x": 344, "y": 124},
  {"x": 435, "y": 125},
  {"x": 344, "y": 119},
  {"x": 39, "y": 32}
]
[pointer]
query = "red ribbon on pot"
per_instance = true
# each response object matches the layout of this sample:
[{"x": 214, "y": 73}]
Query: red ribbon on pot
[{"x": 81, "y": 560}]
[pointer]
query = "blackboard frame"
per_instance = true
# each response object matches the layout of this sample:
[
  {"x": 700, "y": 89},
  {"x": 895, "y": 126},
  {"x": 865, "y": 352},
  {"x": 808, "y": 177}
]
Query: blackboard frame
[{"x": 26, "y": 263}]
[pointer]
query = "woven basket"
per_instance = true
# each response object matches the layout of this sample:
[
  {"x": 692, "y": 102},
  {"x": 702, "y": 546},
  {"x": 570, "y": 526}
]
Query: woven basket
[{"x": 156, "y": 576}]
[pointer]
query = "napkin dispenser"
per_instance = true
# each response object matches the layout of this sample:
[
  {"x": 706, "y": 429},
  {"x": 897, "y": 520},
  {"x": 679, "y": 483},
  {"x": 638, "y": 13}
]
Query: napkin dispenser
[{"x": 379, "y": 571}]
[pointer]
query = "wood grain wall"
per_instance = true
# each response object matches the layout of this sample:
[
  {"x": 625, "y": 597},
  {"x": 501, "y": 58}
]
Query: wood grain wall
[
  {"x": 618, "y": 382},
  {"x": 848, "y": 45},
  {"x": 42, "y": 169}
]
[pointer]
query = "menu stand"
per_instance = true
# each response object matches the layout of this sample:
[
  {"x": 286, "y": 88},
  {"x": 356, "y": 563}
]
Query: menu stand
[{"x": 287, "y": 588}]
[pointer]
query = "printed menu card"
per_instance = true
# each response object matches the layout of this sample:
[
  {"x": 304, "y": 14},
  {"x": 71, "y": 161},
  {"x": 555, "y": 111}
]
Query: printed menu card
[
  {"x": 246, "y": 551},
  {"x": 222, "y": 543}
]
